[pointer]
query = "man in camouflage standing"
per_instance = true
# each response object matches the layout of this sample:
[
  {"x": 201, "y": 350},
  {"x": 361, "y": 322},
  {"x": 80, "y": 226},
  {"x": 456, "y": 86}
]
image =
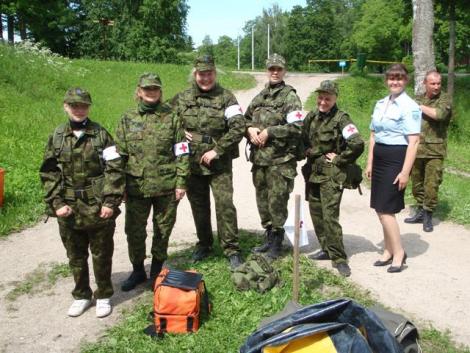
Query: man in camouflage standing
[
  {"x": 273, "y": 122},
  {"x": 150, "y": 139},
  {"x": 427, "y": 171},
  {"x": 332, "y": 142},
  {"x": 214, "y": 125},
  {"x": 82, "y": 176}
]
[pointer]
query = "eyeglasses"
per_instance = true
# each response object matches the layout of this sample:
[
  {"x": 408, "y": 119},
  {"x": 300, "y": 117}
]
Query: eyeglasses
[{"x": 395, "y": 77}]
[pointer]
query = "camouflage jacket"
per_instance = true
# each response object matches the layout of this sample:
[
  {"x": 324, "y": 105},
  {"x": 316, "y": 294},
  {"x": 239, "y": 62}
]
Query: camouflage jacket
[
  {"x": 154, "y": 157},
  {"x": 84, "y": 173},
  {"x": 433, "y": 137},
  {"x": 276, "y": 109},
  {"x": 215, "y": 120},
  {"x": 331, "y": 132}
]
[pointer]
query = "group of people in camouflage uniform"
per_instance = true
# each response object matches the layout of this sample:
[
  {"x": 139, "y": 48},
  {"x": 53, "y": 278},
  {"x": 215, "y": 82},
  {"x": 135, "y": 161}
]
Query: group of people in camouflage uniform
[{"x": 164, "y": 150}]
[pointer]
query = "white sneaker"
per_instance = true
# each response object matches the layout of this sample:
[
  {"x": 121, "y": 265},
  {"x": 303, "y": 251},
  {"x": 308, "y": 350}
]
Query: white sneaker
[
  {"x": 103, "y": 307},
  {"x": 78, "y": 307}
]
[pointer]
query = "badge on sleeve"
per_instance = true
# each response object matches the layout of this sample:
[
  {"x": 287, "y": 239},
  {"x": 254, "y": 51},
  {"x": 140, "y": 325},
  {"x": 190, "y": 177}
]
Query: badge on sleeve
[
  {"x": 295, "y": 116},
  {"x": 233, "y": 110},
  {"x": 110, "y": 153},
  {"x": 181, "y": 148},
  {"x": 416, "y": 114},
  {"x": 349, "y": 130}
]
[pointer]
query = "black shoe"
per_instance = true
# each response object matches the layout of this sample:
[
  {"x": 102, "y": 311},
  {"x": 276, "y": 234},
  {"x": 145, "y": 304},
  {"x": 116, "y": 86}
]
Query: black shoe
[
  {"x": 267, "y": 242},
  {"x": 395, "y": 269},
  {"x": 321, "y": 255},
  {"x": 343, "y": 269},
  {"x": 201, "y": 253},
  {"x": 155, "y": 269},
  {"x": 275, "y": 250},
  {"x": 383, "y": 263},
  {"x": 137, "y": 277},
  {"x": 417, "y": 218},
  {"x": 235, "y": 260},
  {"x": 427, "y": 221}
]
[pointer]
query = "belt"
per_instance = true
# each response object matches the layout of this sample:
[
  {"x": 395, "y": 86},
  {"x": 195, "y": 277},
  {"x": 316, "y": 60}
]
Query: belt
[
  {"x": 83, "y": 194},
  {"x": 200, "y": 138}
]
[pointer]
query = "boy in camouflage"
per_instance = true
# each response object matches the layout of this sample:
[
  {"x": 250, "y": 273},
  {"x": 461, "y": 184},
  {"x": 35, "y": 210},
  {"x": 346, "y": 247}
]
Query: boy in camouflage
[
  {"x": 150, "y": 140},
  {"x": 214, "y": 125},
  {"x": 273, "y": 121},
  {"x": 82, "y": 176}
]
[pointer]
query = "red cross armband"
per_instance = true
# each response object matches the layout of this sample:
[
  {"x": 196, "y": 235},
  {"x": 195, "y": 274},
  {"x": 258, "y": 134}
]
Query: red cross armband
[
  {"x": 295, "y": 116},
  {"x": 349, "y": 130},
  {"x": 181, "y": 148},
  {"x": 233, "y": 110}
]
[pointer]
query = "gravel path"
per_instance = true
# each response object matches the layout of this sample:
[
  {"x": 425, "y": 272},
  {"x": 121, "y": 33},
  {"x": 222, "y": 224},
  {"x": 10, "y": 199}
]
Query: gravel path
[{"x": 434, "y": 288}]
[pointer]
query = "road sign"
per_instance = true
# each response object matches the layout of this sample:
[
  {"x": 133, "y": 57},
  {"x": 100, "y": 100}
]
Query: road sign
[{"x": 342, "y": 63}]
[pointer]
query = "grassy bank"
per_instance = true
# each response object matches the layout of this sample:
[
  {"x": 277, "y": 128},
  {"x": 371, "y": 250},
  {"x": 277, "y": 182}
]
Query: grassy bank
[
  {"x": 358, "y": 96},
  {"x": 237, "y": 314},
  {"x": 32, "y": 86}
]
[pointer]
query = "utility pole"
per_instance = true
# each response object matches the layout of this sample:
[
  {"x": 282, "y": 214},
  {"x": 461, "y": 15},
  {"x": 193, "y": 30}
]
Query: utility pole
[
  {"x": 252, "y": 48},
  {"x": 238, "y": 53},
  {"x": 105, "y": 22},
  {"x": 268, "y": 42}
]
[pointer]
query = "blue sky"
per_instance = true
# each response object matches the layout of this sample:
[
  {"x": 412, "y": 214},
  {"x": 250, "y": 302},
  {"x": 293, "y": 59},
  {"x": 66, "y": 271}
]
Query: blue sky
[{"x": 225, "y": 17}]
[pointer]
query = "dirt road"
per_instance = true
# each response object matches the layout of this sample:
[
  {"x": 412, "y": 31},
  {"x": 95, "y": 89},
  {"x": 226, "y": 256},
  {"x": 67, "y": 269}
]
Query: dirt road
[{"x": 434, "y": 288}]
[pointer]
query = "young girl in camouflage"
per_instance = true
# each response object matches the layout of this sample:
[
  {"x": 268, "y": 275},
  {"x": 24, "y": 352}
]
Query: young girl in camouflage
[{"x": 82, "y": 177}]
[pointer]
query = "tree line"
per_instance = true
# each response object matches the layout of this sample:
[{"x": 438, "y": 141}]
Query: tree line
[{"x": 155, "y": 30}]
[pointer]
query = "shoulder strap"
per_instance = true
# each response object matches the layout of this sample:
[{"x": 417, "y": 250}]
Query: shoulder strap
[{"x": 58, "y": 139}]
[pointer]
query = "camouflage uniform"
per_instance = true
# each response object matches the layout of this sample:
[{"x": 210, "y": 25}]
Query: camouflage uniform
[
  {"x": 84, "y": 173},
  {"x": 324, "y": 133},
  {"x": 150, "y": 141},
  {"x": 216, "y": 122},
  {"x": 277, "y": 109},
  {"x": 427, "y": 171}
]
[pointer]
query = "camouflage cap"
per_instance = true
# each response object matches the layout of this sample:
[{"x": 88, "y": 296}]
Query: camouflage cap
[
  {"x": 275, "y": 60},
  {"x": 328, "y": 86},
  {"x": 204, "y": 63},
  {"x": 77, "y": 95},
  {"x": 149, "y": 80}
]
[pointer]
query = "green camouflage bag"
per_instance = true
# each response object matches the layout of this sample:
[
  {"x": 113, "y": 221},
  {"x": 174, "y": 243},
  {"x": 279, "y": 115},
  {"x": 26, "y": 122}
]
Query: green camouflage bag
[{"x": 256, "y": 273}]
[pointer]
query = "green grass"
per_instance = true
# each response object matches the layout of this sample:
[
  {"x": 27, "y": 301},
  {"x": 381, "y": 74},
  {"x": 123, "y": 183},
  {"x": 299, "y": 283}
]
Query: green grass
[
  {"x": 32, "y": 87},
  {"x": 43, "y": 278},
  {"x": 358, "y": 96},
  {"x": 237, "y": 314}
]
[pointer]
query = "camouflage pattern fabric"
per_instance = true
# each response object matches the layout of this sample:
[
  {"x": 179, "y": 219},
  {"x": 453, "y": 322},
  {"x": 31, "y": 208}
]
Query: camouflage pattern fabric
[
  {"x": 83, "y": 174},
  {"x": 204, "y": 115},
  {"x": 146, "y": 140},
  {"x": 256, "y": 273},
  {"x": 163, "y": 220},
  {"x": 225, "y": 212},
  {"x": 323, "y": 133},
  {"x": 274, "y": 165},
  {"x": 427, "y": 172},
  {"x": 426, "y": 176},
  {"x": 101, "y": 244}
]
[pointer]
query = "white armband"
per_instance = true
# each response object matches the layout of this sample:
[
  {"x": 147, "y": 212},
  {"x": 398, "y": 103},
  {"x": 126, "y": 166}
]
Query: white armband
[
  {"x": 110, "y": 153},
  {"x": 233, "y": 110},
  {"x": 181, "y": 148},
  {"x": 349, "y": 130},
  {"x": 295, "y": 116}
]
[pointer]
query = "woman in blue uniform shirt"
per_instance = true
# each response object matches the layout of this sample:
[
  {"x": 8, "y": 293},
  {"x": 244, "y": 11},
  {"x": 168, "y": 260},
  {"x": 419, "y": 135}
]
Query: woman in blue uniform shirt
[{"x": 394, "y": 138}]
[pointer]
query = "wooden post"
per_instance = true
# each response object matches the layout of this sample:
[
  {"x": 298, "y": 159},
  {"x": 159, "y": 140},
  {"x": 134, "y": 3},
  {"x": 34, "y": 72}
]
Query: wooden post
[{"x": 296, "y": 275}]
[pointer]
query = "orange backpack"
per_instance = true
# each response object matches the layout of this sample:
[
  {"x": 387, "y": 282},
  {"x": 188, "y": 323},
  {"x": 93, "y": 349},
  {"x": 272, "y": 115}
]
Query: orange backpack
[{"x": 180, "y": 297}]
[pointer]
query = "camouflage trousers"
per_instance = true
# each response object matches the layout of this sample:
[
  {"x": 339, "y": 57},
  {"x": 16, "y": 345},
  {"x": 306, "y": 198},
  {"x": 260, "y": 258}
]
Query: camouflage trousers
[
  {"x": 199, "y": 187},
  {"x": 101, "y": 244},
  {"x": 426, "y": 177},
  {"x": 324, "y": 202},
  {"x": 273, "y": 186},
  {"x": 163, "y": 219}
]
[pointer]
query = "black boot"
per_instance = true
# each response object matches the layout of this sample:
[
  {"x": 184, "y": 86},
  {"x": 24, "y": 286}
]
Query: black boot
[
  {"x": 427, "y": 221},
  {"x": 155, "y": 269},
  {"x": 268, "y": 234},
  {"x": 417, "y": 218},
  {"x": 137, "y": 276},
  {"x": 275, "y": 250}
]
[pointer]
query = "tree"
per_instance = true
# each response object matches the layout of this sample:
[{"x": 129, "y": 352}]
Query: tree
[
  {"x": 423, "y": 48},
  {"x": 225, "y": 52},
  {"x": 207, "y": 46}
]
